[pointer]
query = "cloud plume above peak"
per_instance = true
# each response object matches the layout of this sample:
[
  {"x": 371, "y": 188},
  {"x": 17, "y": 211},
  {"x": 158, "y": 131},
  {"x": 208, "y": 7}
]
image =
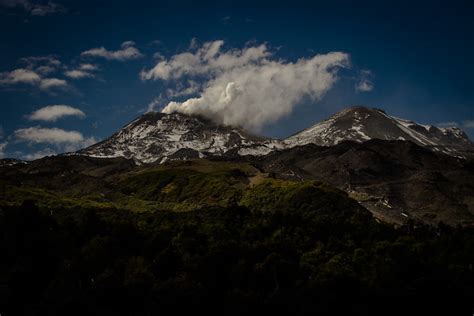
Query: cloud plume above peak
[
  {"x": 365, "y": 84},
  {"x": 246, "y": 87}
]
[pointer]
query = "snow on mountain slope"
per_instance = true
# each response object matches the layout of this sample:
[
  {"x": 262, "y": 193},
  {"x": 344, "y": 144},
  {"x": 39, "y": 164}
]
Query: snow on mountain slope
[
  {"x": 158, "y": 137},
  {"x": 361, "y": 123}
]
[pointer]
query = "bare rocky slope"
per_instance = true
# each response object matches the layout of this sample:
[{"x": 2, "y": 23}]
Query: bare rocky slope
[
  {"x": 361, "y": 124},
  {"x": 395, "y": 180},
  {"x": 397, "y": 169},
  {"x": 157, "y": 137}
]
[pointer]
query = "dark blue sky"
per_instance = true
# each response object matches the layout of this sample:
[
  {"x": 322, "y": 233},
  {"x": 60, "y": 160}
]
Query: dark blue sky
[{"x": 419, "y": 55}]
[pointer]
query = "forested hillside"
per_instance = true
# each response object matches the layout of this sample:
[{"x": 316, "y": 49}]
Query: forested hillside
[{"x": 286, "y": 248}]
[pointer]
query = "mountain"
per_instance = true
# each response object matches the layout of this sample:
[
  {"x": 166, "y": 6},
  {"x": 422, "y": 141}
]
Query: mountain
[
  {"x": 10, "y": 162},
  {"x": 395, "y": 180},
  {"x": 86, "y": 232},
  {"x": 157, "y": 137},
  {"x": 396, "y": 168},
  {"x": 194, "y": 233},
  {"x": 360, "y": 124}
]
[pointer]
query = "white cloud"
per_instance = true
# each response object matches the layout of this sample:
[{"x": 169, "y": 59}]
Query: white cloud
[
  {"x": 447, "y": 124},
  {"x": 39, "y": 135},
  {"x": 30, "y": 77},
  {"x": 128, "y": 51},
  {"x": 158, "y": 56},
  {"x": 78, "y": 74},
  {"x": 19, "y": 76},
  {"x": 246, "y": 87},
  {"x": 64, "y": 141},
  {"x": 364, "y": 83},
  {"x": 468, "y": 124},
  {"x": 46, "y": 152},
  {"x": 49, "y": 8},
  {"x": 364, "y": 86},
  {"x": 36, "y": 61},
  {"x": 88, "y": 67},
  {"x": 206, "y": 60},
  {"x": 2, "y": 149},
  {"x": 156, "y": 103},
  {"x": 88, "y": 141},
  {"x": 193, "y": 44},
  {"x": 42, "y": 65},
  {"x": 82, "y": 71},
  {"x": 51, "y": 113},
  {"x": 128, "y": 44},
  {"x": 44, "y": 70},
  {"x": 34, "y": 8},
  {"x": 49, "y": 83},
  {"x": 192, "y": 87}
]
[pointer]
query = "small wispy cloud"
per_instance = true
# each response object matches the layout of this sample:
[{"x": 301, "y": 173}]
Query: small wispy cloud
[
  {"x": 88, "y": 67},
  {"x": 46, "y": 152},
  {"x": 78, "y": 74},
  {"x": 32, "y": 62},
  {"x": 40, "y": 135},
  {"x": 42, "y": 65},
  {"x": 2, "y": 149},
  {"x": 63, "y": 140},
  {"x": 50, "y": 83},
  {"x": 190, "y": 87},
  {"x": 53, "y": 141},
  {"x": 82, "y": 71},
  {"x": 448, "y": 124},
  {"x": 468, "y": 124},
  {"x": 127, "y": 51},
  {"x": 3, "y": 145},
  {"x": 31, "y": 77},
  {"x": 225, "y": 20},
  {"x": 34, "y": 7},
  {"x": 19, "y": 76},
  {"x": 52, "y": 113},
  {"x": 364, "y": 82}
]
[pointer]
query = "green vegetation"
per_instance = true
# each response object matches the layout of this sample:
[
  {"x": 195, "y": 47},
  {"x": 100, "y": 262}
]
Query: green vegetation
[
  {"x": 277, "y": 247},
  {"x": 91, "y": 261},
  {"x": 273, "y": 194},
  {"x": 186, "y": 189},
  {"x": 180, "y": 186}
]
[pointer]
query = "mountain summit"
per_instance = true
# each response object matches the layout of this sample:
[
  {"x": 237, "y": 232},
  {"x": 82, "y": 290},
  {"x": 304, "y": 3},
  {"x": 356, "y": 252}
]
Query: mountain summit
[
  {"x": 360, "y": 124},
  {"x": 157, "y": 137}
]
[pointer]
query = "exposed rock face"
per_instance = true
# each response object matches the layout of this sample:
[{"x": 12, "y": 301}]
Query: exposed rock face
[
  {"x": 157, "y": 137},
  {"x": 396, "y": 180},
  {"x": 395, "y": 168},
  {"x": 360, "y": 124}
]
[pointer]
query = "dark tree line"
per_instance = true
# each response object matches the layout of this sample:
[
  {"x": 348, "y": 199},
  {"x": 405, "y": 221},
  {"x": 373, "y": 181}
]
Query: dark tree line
[{"x": 229, "y": 261}]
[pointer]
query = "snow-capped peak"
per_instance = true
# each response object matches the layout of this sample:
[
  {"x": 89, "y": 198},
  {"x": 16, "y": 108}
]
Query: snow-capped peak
[
  {"x": 361, "y": 123},
  {"x": 158, "y": 137}
]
